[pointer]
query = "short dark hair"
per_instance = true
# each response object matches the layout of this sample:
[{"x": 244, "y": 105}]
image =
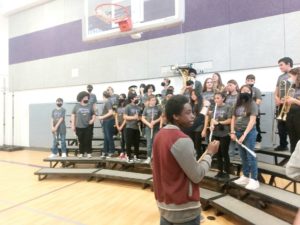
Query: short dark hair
[
  {"x": 89, "y": 86},
  {"x": 175, "y": 106},
  {"x": 250, "y": 77},
  {"x": 106, "y": 94},
  {"x": 149, "y": 86},
  {"x": 131, "y": 96},
  {"x": 192, "y": 70},
  {"x": 81, "y": 95},
  {"x": 59, "y": 100},
  {"x": 286, "y": 60}
]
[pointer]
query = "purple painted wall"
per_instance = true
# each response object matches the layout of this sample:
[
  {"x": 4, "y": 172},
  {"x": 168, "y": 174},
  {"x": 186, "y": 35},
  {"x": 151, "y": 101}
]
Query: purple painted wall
[{"x": 67, "y": 38}]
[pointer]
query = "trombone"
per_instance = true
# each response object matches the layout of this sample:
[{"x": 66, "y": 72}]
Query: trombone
[{"x": 286, "y": 107}]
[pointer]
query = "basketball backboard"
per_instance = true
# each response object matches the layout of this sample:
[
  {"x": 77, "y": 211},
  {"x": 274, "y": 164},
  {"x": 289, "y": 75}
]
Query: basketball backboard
[{"x": 146, "y": 15}]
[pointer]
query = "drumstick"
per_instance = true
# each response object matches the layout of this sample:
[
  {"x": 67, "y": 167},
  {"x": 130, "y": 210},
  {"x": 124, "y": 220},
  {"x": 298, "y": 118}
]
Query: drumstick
[
  {"x": 245, "y": 147},
  {"x": 214, "y": 117},
  {"x": 152, "y": 127}
]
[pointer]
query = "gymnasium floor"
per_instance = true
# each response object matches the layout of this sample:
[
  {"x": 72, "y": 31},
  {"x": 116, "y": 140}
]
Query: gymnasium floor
[{"x": 63, "y": 200}]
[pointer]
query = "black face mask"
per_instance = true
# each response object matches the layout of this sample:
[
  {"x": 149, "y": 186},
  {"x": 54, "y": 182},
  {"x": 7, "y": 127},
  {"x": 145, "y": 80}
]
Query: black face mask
[
  {"x": 59, "y": 104},
  {"x": 85, "y": 101},
  {"x": 251, "y": 85},
  {"x": 90, "y": 90},
  {"x": 245, "y": 96},
  {"x": 136, "y": 101}
]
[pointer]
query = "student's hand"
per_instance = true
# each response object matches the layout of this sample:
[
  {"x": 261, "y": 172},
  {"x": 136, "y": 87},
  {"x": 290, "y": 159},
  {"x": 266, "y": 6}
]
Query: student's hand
[
  {"x": 290, "y": 100},
  {"x": 242, "y": 138},
  {"x": 91, "y": 122},
  {"x": 53, "y": 129},
  {"x": 277, "y": 101},
  {"x": 150, "y": 126},
  {"x": 212, "y": 127},
  {"x": 214, "y": 122},
  {"x": 152, "y": 123},
  {"x": 100, "y": 117},
  {"x": 203, "y": 133},
  {"x": 74, "y": 129},
  {"x": 233, "y": 137},
  {"x": 213, "y": 147}
]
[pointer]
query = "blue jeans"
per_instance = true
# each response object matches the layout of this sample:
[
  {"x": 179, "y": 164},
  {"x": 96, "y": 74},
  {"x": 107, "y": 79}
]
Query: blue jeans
[
  {"x": 249, "y": 163},
  {"x": 195, "y": 221},
  {"x": 55, "y": 142},
  {"x": 149, "y": 139},
  {"x": 108, "y": 131}
]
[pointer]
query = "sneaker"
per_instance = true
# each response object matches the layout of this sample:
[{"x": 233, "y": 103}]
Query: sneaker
[
  {"x": 52, "y": 155},
  {"x": 280, "y": 148},
  {"x": 63, "y": 155},
  {"x": 136, "y": 159},
  {"x": 202, "y": 218},
  {"x": 242, "y": 180},
  {"x": 103, "y": 155},
  {"x": 148, "y": 160},
  {"x": 257, "y": 145},
  {"x": 225, "y": 176},
  {"x": 80, "y": 155},
  {"x": 122, "y": 155},
  {"x": 252, "y": 185},
  {"x": 89, "y": 155},
  {"x": 109, "y": 155},
  {"x": 129, "y": 160},
  {"x": 219, "y": 175}
]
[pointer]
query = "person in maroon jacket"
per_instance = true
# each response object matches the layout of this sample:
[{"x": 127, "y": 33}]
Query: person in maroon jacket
[{"x": 176, "y": 172}]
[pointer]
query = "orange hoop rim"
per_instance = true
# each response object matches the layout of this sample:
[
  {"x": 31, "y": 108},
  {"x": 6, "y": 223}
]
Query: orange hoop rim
[{"x": 109, "y": 19}]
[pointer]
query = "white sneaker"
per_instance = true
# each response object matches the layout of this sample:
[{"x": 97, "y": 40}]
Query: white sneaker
[
  {"x": 80, "y": 155},
  {"x": 242, "y": 180},
  {"x": 89, "y": 155},
  {"x": 63, "y": 155},
  {"x": 257, "y": 145},
  {"x": 252, "y": 185},
  {"x": 52, "y": 155},
  {"x": 148, "y": 160},
  {"x": 136, "y": 159}
]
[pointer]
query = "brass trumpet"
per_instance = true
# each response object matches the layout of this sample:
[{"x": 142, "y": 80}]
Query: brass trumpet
[
  {"x": 286, "y": 107},
  {"x": 184, "y": 72}
]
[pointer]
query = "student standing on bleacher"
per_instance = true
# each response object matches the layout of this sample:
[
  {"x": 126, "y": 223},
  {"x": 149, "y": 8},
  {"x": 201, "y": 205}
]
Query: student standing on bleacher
[
  {"x": 293, "y": 105},
  {"x": 108, "y": 123},
  {"x": 176, "y": 172},
  {"x": 151, "y": 119},
  {"x": 82, "y": 119},
  {"x": 58, "y": 129},
  {"x": 220, "y": 126},
  {"x": 121, "y": 123},
  {"x": 244, "y": 131},
  {"x": 132, "y": 117},
  {"x": 250, "y": 80}
]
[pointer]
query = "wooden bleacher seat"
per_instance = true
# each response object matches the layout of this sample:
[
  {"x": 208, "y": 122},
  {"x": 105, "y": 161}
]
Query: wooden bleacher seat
[
  {"x": 273, "y": 170},
  {"x": 274, "y": 194},
  {"x": 245, "y": 213},
  {"x": 44, "y": 172},
  {"x": 207, "y": 195},
  {"x": 124, "y": 175},
  {"x": 277, "y": 154}
]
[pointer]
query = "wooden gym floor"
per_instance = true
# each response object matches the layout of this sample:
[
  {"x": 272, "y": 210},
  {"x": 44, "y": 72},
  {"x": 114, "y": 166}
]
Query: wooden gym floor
[{"x": 63, "y": 200}]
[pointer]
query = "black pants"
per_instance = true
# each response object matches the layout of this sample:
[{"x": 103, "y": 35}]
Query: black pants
[
  {"x": 293, "y": 127},
  {"x": 85, "y": 139},
  {"x": 258, "y": 137},
  {"x": 222, "y": 155},
  {"x": 132, "y": 139},
  {"x": 282, "y": 132},
  {"x": 197, "y": 139},
  {"x": 123, "y": 139}
]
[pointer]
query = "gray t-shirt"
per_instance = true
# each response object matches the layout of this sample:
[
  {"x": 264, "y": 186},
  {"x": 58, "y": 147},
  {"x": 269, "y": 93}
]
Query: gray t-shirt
[
  {"x": 152, "y": 113},
  {"x": 284, "y": 76},
  {"x": 83, "y": 114},
  {"x": 223, "y": 113},
  {"x": 92, "y": 99},
  {"x": 256, "y": 93},
  {"x": 114, "y": 99},
  {"x": 231, "y": 100},
  {"x": 107, "y": 106},
  {"x": 131, "y": 110},
  {"x": 241, "y": 117},
  {"x": 120, "y": 112},
  {"x": 295, "y": 107},
  {"x": 56, "y": 115}
]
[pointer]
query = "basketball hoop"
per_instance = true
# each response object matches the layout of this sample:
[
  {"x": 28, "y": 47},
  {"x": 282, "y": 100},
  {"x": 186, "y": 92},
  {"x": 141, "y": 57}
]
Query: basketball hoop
[{"x": 114, "y": 13}]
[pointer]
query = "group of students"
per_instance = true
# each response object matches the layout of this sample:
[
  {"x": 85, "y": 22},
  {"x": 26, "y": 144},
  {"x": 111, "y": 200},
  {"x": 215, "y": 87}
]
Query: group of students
[{"x": 228, "y": 114}]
